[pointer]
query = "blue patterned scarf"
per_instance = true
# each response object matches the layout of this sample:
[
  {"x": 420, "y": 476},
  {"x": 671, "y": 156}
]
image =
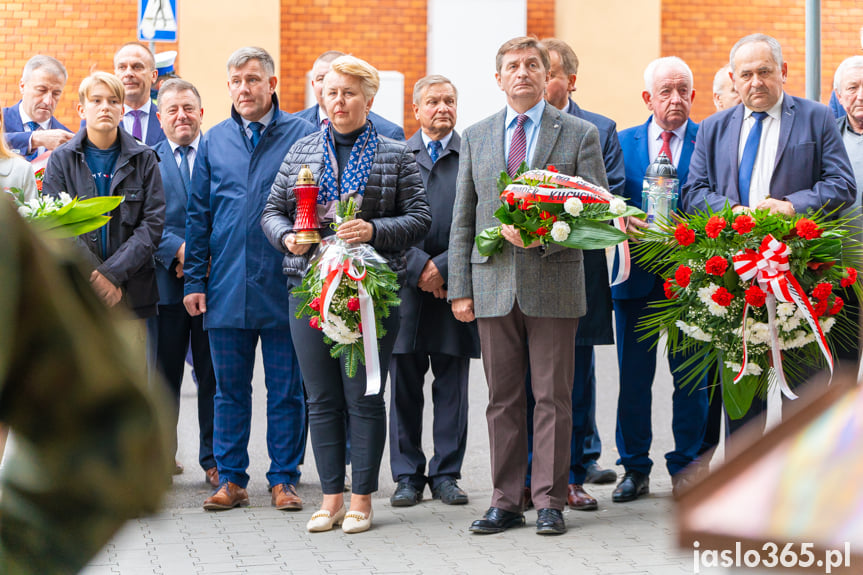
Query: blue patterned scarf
[{"x": 356, "y": 173}]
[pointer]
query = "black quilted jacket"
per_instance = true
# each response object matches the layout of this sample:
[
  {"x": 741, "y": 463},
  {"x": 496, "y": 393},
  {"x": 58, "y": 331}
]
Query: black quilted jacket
[{"x": 394, "y": 201}]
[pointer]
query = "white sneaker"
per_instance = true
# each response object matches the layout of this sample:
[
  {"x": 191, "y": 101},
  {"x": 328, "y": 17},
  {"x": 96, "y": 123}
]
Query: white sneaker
[
  {"x": 357, "y": 522},
  {"x": 323, "y": 521}
]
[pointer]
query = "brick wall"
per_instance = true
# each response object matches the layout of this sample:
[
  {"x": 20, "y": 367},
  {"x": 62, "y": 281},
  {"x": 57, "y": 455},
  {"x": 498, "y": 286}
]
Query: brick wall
[
  {"x": 540, "y": 18},
  {"x": 703, "y": 33},
  {"x": 389, "y": 34},
  {"x": 83, "y": 34}
]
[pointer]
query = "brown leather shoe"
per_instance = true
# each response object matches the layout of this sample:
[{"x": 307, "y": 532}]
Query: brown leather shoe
[
  {"x": 285, "y": 498},
  {"x": 212, "y": 477},
  {"x": 228, "y": 496},
  {"x": 579, "y": 499}
]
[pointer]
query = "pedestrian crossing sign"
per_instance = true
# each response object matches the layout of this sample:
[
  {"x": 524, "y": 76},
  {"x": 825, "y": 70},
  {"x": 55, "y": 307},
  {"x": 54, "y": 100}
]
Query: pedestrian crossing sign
[{"x": 157, "y": 20}]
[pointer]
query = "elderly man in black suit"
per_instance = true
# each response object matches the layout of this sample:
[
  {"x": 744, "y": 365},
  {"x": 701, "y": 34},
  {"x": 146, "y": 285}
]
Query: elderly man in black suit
[{"x": 429, "y": 333}]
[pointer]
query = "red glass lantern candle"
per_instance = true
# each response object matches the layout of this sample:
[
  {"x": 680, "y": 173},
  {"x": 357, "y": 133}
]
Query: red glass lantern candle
[{"x": 306, "y": 224}]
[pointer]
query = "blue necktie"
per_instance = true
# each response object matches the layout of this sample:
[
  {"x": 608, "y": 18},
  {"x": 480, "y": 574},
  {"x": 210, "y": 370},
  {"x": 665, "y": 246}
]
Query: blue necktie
[
  {"x": 33, "y": 127},
  {"x": 747, "y": 162},
  {"x": 435, "y": 148},
  {"x": 256, "y": 128},
  {"x": 185, "y": 170}
]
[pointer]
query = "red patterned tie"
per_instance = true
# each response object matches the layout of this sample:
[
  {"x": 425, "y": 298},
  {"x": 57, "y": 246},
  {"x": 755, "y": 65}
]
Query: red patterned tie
[
  {"x": 666, "y": 146},
  {"x": 517, "y": 146}
]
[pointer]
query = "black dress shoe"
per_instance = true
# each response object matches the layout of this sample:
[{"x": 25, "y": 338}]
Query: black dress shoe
[
  {"x": 449, "y": 493},
  {"x": 598, "y": 475},
  {"x": 406, "y": 495},
  {"x": 550, "y": 522},
  {"x": 634, "y": 485},
  {"x": 497, "y": 520}
]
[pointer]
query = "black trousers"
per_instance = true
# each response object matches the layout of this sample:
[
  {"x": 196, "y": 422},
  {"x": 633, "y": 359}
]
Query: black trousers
[
  {"x": 450, "y": 398},
  {"x": 170, "y": 333},
  {"x": 330, "y": 395}
]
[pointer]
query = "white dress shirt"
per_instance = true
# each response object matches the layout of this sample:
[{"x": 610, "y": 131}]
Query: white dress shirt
[
  {"x": 762, "y": 172},
  {"x": 265, "y": 120},
  {"x": 192, "y": 154},
  {"x": 654, "y": 142}
]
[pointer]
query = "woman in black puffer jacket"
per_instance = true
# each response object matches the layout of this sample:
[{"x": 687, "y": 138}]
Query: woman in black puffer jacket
[{"x": 348, "y": 159}]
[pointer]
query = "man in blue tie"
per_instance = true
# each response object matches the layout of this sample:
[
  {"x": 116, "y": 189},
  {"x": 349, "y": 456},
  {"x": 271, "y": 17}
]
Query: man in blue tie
[
  {"x": 30, "y": 125},
  {"x": 233, "y": 277},
  {"x": 430, "y": 336},
  {"x": 173, "y": 329},
  {"x": 135, "y": 65},
  {"x": 774, "y": 151},
  {"x": 668, "y": 94}
]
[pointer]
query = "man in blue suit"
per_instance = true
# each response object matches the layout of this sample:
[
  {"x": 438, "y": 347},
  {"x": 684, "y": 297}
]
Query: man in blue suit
[
  {"x": 795, "y": 161},
  {"x": 30, "y": 125},
  {"x": 173, "y": 329},
  {"x": 318, "y": 116},
  {"x": 595, "y": 327},
  {"x": 668, "y": 94},
  {"x": 135, "y": 65},
  {"x": 233, "y": 276}
]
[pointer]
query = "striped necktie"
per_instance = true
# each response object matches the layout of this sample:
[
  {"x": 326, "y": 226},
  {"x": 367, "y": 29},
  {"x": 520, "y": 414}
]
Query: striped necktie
[{"x": 517, "y": 147}]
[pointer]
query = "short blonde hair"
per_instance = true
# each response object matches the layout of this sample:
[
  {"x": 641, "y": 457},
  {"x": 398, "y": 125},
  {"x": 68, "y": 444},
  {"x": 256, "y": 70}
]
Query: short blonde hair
[
  {"x": 111, "y": 81},
  {"x": 349, "y": 65}
]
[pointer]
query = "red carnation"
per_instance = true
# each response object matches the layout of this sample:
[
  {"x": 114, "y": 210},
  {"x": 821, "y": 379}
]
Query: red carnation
[
  {"x": 684, "y": 235},
  {"x": 755, "y": 296},
  {"x": 360, "y": 327},
  {"x": 510, "y": 198},
  {"x": 821, "y": 307},
  {"x": 714, "y": 225},
  {"x": 808, "y": 229},
  {"x": 315, "y": 323},
  {"x": 552, "y": 169},
  {"x": 850, "y": 278},
  {"x": 353, "y": 304},
  {"x": 716, "y": 266},
  {"x": 722, "y": 296},
  {"x": 669, "y": 289},
  {"x": 541, "y": 231},
  {"x": 544, "y": 215},
  {"x": 316, "y": 304},
  {"x": 838, "y": 303},
  {"x": 822, "y": 291},
  {"x": 526, "y": 205},
  {"x": 743, "y": 224},
  {"x": 682, "y": 276}
]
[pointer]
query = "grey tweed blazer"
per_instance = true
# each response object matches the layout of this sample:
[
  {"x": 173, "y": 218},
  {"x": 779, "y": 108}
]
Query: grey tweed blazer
[{"x": 549, "y": 284}]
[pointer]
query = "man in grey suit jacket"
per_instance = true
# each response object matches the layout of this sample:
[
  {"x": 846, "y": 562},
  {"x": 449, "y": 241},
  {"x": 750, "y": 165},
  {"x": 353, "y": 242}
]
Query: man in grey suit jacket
[
  {"x": 527, "y": 299},
  {"x": 316, "y": 114},
  {"x": 798, "y": 162}
]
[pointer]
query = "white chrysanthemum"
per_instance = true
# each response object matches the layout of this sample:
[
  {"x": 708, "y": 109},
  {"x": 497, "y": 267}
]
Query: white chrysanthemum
[
  {"x": 790, "y": 323},
  {"x": 693, "y": 331},
  {"x": 751, "y": 368},
  {"x": 786, "y": 309},
  {"x": 616, "y": 206},
  {"x": 716, "y": 309},
  {"x": 705, "y": 293},
  {"x": 827, "y": 324},
  {"x": 336, "y": 329},
  {"x": 560, "y": 231},
  {"x": 758, "y": 333},
  {"x": 573, "y": 207}
]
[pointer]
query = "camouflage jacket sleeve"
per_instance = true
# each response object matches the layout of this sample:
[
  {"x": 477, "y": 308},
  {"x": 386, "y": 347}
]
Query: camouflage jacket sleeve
[{"x": 90, "y": 442}]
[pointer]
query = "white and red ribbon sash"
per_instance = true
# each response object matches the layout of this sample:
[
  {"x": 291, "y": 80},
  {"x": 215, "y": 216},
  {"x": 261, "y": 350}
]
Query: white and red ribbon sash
[
  {"x": 573, "y": 187},
  {"x": 770, "y": 268},
  {"x": 332, "y": 271}
]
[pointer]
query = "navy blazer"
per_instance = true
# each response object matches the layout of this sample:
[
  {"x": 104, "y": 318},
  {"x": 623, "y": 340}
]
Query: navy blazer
[
  {"x": 636, "y": 158},
  {"x": 382, "y": 125},
  {"x": 812, "y": 169},
  {"x": 16, "y": 137},
  {"x": 174, "y": 232},
  {"x": 427, "y": 323},
  {"x": 595, "y": 327}
]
